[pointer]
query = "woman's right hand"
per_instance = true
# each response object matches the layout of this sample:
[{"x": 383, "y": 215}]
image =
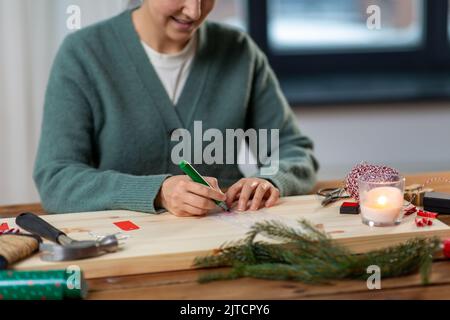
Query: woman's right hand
[{"x": 185, "y": 198}]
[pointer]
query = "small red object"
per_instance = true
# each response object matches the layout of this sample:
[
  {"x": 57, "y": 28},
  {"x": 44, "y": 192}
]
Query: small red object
[
  {"x": 410, "y": 210},
  {"x": 349, "y": 208},
  {"x": 10, "y": 231},
  {"x": 4, "y": 227},
  {"x": 350, "y": 204},
  {"x": 126, "y": 225},
  {"x": 424, "y": 221},
  {"x": 427, "y": 214},
  {"x": 446, "y": 250},
  {"x": 419, "y": 222}
]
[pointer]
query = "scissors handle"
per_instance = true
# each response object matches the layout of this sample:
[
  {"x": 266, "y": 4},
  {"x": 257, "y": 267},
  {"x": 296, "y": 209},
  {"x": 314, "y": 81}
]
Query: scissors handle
[
  {"x": 325, "y": 192},
  {"x": 332, "y": 195}
]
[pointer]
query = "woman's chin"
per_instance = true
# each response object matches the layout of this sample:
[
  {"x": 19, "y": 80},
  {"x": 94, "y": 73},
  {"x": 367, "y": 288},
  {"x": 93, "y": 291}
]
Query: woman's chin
[{"x": 181, "y": 37}]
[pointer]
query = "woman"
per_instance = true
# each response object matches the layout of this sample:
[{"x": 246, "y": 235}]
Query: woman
[{"x": 120, "y": 88}]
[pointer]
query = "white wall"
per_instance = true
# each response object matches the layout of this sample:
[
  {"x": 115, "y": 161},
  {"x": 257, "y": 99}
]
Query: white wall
[
  {"x": 30, "y": 33},
  {"x": 412, "y": 137}
]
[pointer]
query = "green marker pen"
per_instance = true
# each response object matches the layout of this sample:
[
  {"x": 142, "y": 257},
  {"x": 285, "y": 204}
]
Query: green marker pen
[{"x": 195, "y": 176}]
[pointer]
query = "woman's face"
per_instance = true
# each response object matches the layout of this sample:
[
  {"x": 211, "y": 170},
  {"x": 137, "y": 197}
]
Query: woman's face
[{"x": 178, "y": 19}]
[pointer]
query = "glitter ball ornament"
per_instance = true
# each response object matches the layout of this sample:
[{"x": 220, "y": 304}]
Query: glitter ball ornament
[{"x": 372, "y": 173}]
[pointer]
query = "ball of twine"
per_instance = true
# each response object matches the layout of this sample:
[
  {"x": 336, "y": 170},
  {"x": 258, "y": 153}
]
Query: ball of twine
[
  {"x": 15, "y": 247},
  {"x": 370, "y": 172}
]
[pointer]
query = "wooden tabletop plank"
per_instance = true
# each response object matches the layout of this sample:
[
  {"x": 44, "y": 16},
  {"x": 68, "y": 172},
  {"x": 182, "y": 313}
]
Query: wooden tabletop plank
[
  {"x": 15, "y": 210},
  {"x": 184, "y": 285},
  {"x": 435, "y": 292}
]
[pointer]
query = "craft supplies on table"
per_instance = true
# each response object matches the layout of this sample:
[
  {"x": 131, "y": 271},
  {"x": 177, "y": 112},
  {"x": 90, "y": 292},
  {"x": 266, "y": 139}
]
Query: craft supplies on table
[
  {"x": 349, "y": 208},
  {"x": 437, "y": 202},
  {"x": 42, "y": 285},
  {"x": 415, "y": 193},
  {"x": 15, "y": 246},
  {"x": 168, "y": 243},
  {"x": 381, "y": 200},
  {"x": 65, "y": 248}
]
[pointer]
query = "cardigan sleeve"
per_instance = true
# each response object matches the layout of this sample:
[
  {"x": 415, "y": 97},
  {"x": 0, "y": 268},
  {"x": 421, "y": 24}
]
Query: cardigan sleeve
[
  {"x": 64, "y": 172},
  {"x": 291, "y": 165}
]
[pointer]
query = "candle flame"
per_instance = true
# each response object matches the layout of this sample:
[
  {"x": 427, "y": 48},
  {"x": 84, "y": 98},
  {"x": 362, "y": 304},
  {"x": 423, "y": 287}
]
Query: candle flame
[{"x": 382, "y": 200}]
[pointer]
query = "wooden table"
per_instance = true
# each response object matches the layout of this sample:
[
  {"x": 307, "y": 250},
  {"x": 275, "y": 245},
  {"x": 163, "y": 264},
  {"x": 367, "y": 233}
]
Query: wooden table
[{"x": 183, "y": 284}]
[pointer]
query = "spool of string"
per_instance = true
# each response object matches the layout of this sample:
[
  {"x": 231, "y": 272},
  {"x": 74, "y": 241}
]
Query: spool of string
[
  {"x": 371, "y": 172},
  {"x": 15, "y": 247}
]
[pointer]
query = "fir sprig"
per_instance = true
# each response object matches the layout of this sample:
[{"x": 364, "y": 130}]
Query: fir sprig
[{"x": 309, "y": 255}]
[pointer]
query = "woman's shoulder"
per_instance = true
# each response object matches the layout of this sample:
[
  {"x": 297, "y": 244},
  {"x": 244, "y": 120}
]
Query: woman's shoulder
[
  {"x": 230, "y": 37},
  {"x": 225, "y": 30}
]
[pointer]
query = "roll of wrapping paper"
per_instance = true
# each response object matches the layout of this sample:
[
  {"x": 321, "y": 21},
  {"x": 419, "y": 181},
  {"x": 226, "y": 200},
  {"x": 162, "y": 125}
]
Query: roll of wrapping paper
[{"x": 42, "y": 285}]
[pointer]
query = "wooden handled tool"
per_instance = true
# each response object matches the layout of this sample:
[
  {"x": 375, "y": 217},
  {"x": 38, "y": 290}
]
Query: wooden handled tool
[{"x": 66, "y": 248}]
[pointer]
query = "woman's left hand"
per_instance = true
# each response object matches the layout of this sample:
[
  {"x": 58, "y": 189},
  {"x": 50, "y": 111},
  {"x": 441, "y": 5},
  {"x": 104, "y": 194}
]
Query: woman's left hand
[{"x": 261, "y": 192}]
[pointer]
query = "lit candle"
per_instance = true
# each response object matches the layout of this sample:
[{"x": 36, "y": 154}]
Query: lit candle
[{"x": 382, "y": 205}]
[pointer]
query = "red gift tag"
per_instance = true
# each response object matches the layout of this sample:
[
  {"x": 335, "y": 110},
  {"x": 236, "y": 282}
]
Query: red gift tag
[
  {"x": 4, "y": 227},
  {"x": 126, "y": 225}
]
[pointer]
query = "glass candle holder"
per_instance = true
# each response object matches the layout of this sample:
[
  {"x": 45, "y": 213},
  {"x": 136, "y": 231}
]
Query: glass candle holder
[{"x": 382, "y": 201}]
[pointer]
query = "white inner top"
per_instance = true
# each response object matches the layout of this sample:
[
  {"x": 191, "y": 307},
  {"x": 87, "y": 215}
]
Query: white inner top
[{"x": 173, "y": 69}]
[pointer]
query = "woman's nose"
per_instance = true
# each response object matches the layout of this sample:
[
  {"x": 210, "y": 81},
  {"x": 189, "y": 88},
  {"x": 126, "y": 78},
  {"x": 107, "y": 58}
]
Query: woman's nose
[{"x": 193, "y": 9}]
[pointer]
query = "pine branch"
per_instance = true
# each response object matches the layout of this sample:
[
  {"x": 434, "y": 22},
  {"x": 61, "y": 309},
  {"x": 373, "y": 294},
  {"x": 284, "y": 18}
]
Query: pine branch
[{"x": 309, "y": 255}]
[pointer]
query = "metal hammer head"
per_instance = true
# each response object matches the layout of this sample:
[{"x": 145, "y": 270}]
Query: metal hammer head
[{"x": 79, "y": 249}]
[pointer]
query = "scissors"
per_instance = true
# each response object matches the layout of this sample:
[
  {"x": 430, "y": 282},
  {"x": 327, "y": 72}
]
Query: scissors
[{"x": 332, "y": 195}]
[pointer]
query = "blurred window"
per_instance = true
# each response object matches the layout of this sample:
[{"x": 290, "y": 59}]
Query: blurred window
[
  {"x": 332, "y": 50},
  {"x": 303, "y": 25},
  {"x": 448, "y": 20}
]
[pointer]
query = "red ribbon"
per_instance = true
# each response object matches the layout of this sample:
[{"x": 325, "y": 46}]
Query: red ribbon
[
  {"x": 10, "y": 231},
  {"x": 410, "y": 210},
  {"x": 427, "y": 214}
]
